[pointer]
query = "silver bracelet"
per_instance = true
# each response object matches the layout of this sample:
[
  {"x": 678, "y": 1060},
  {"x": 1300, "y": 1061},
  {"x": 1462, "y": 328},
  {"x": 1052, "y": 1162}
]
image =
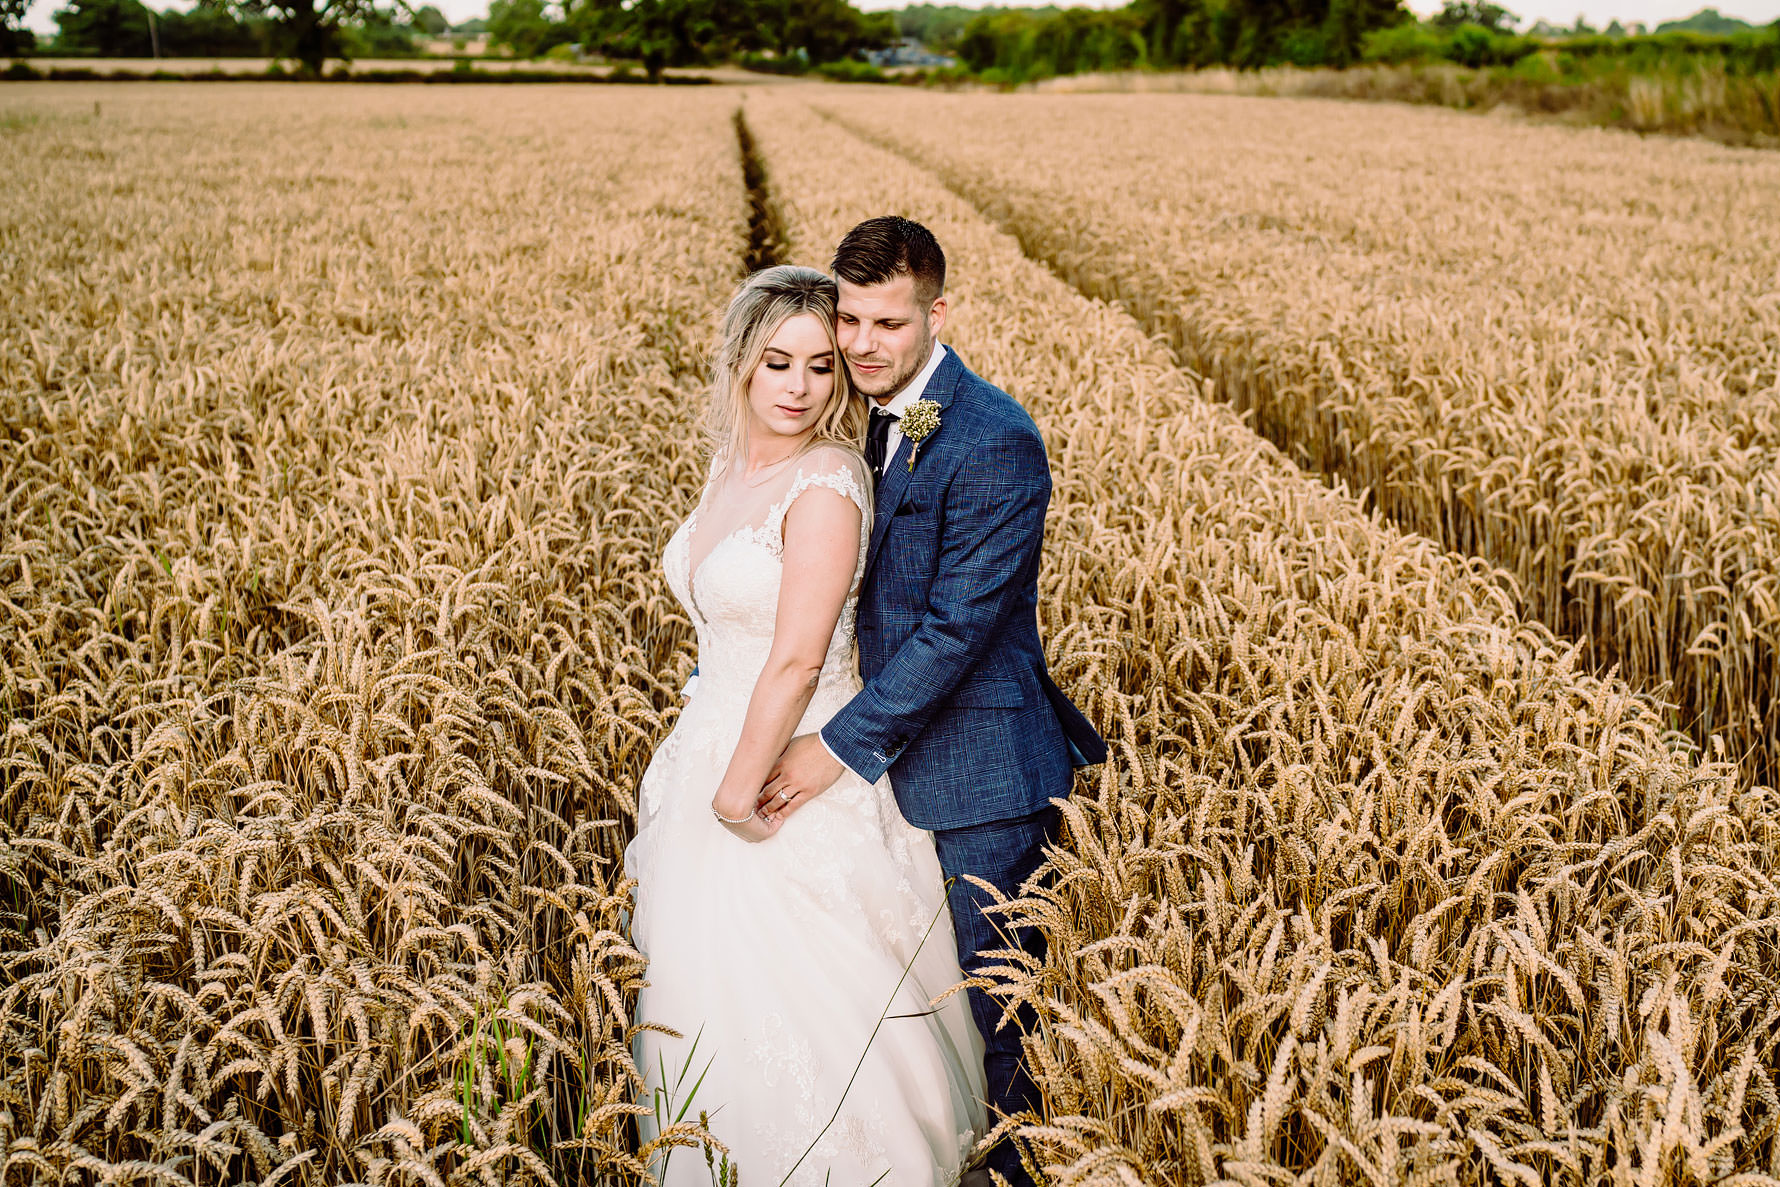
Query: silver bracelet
[{"x": 727, "y": 820}]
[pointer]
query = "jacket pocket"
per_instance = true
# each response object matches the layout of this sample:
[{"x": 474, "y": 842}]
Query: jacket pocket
[{"x": 989, "y": 694}]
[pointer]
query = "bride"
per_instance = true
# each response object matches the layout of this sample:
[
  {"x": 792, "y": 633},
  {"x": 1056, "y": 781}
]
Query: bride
[{"x": 797, "y": 956}]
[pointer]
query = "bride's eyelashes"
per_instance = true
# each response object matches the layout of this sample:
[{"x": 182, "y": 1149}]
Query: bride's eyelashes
[{"x": 819, "y": 368}]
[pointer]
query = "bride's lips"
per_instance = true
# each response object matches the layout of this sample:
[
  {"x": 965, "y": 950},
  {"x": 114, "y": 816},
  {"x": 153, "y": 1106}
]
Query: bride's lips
[{"x": 789, "y": 411}]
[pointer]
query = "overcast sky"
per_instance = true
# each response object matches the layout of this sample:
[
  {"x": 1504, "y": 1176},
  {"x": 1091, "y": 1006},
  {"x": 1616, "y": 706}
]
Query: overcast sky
[{"x": 1561, "y": 12}]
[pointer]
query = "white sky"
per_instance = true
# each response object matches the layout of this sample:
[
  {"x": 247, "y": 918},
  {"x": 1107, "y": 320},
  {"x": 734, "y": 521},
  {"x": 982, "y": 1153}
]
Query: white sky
[{"x": 40, "y": 16}]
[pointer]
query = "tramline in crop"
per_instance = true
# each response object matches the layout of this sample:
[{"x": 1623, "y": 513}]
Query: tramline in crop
[
  {"x": 1555, "y": 350},
  {"x": 1378, "y": 882}
]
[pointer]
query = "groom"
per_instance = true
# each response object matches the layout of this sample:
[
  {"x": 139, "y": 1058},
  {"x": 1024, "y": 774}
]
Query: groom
[{"x": 957, "y": 705}]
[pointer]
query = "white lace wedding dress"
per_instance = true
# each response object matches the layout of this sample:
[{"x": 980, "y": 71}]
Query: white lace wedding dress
[{"x": 780, "y": 958}]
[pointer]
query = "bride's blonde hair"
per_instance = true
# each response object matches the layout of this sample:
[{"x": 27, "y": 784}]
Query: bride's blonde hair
[{"x": 766, "y": 301}]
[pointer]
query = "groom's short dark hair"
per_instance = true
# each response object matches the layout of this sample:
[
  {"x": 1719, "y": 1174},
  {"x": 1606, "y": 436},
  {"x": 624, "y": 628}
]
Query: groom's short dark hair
[{"x": 883, "y": 248}]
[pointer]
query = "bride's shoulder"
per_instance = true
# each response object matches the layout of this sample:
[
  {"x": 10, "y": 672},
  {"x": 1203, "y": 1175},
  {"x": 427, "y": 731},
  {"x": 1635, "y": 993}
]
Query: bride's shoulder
[{"x": 834, "y": 467}]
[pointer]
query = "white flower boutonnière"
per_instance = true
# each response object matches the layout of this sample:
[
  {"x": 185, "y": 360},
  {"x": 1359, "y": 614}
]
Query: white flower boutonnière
[{"x": 920, "y": 422}]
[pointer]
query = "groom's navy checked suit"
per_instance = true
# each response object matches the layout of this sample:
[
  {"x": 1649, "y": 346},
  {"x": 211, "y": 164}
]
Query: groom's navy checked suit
[{"x": 957, "y": 706}]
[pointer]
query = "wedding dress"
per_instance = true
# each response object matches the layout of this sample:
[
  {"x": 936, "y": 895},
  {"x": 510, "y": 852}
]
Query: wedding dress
[{"x": 779, "y": 959}]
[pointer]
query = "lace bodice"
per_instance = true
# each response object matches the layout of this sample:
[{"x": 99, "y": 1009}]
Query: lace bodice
[{"x": 732, "y": 591}]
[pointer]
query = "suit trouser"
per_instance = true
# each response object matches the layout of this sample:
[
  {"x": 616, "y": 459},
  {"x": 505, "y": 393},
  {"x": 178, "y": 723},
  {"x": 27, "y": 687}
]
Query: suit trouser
[{"x": 1003, "y": 853}]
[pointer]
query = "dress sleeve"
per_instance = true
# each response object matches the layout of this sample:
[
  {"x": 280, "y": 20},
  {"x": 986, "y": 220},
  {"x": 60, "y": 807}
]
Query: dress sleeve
[{"x": 840, "y": 472}]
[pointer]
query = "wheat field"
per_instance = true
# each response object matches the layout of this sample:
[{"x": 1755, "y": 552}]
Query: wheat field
[
  {"x": 341, "y": 438},
  {"x": 1555, "y": 349},
  {"x": 341, "y": 441}
]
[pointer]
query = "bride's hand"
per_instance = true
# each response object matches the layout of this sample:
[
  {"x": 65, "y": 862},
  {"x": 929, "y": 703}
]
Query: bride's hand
[{"x": 754, "y": 827}]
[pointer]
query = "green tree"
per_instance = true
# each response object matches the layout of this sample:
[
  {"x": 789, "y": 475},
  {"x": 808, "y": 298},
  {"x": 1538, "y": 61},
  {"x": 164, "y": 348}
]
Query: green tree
[
  {"x": 1348, "y": 23},
  {"x": 307, "y": 31},
  {"x": 210, "y": 29},
  {"x": 527, "y": 27},
  {"x": 826, "y": 30},
  {"x": 431, "y": 21},
  {"x": 663, "y": 33},
  {"x": 15, "y": 39},
  {"x": 1481, "y": 13},
  {"x": 1706, "y": 20},
  {"x": 105, "y": 29},
  {"x": 1029, "y": 43},
  {"x": 936, "y": 26},
  {"x": 1162, "y": 21},
  {"x": 376, "y": 34}
]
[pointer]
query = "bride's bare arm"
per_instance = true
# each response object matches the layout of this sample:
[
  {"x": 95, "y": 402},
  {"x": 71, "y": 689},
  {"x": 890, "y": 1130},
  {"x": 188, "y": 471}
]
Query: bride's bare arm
[{"x": 821, "y": 532}]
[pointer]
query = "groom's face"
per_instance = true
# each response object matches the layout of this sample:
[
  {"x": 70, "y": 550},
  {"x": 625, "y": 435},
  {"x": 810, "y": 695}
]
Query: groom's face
[{"x": 886, "y": 333}]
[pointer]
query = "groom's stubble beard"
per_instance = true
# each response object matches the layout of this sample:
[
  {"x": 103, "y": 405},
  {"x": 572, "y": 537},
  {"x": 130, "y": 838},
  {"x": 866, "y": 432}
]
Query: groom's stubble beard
[{"x": 883, "y": 387}]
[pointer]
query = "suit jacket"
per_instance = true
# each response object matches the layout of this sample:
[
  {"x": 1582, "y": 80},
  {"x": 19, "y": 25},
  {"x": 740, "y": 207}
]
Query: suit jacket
[{"x": 957, "y": 704}]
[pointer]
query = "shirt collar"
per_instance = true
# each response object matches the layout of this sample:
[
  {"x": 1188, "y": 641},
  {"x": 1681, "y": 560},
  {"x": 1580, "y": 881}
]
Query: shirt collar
[{"x": 916, "y": 387}]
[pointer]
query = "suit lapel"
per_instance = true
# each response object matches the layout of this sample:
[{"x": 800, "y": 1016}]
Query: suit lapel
[
  {"x": 894, "y": 483},
  {"x": 891, "y": 486}
]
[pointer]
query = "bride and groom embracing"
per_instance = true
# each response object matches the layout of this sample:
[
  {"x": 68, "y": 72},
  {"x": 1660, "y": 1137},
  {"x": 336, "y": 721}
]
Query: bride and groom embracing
[{"x": 870, "y": 733}]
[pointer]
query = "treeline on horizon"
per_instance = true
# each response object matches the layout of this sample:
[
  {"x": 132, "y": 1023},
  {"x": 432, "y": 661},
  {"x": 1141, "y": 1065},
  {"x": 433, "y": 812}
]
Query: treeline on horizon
[
  {"x": 130, "y": 29},
  {"x": 995, "y": 45},
  {"x": 1014, "y": 45},
  {"x": 656, "y": 33}
]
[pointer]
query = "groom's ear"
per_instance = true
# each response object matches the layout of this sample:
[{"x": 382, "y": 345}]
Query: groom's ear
[{"x": 936, "y": 316}]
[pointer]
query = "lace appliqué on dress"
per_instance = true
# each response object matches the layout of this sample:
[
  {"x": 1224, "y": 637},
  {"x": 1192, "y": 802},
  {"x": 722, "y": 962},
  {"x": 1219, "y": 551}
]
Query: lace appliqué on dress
[{"x": 841, "y": 481}]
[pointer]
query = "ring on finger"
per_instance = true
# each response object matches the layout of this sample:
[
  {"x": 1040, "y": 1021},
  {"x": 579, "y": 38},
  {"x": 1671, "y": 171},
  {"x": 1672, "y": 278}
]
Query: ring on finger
[{"x": 786, "y": 794}]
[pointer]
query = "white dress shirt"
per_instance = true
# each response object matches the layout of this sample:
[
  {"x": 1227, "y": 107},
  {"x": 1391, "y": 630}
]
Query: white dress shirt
[{"x": 911, "y": 391}]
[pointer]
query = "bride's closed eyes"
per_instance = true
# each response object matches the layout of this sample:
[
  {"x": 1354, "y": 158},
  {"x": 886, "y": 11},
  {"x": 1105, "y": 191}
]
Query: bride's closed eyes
[{"x": 778, "y": 360}]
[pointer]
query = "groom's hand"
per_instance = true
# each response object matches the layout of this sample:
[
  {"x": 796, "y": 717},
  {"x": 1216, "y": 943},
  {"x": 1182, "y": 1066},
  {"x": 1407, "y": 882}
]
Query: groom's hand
[{"x": 804, "y": 771}]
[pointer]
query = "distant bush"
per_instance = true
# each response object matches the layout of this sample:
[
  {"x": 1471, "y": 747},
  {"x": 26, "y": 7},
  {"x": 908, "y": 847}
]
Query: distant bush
[
  {"x": 940, "y": 77},
  {"x": 1412, "y": 42},
  {"x": 1468, "y": 45},
  {"x": 851, "y": 70},
  {"x": 1754, "y": 52},
  {"x": 775, "y": 63},
  {"x": 1476, "y": 47}
]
